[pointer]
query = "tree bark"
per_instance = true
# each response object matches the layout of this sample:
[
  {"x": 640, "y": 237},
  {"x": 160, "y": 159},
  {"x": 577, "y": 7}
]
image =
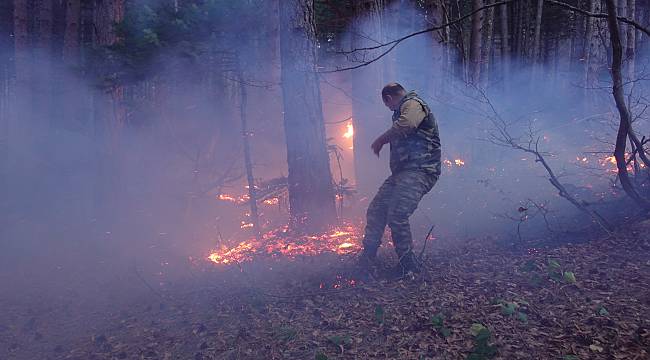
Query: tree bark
[
  {"x": 475, "y": 43},
  {"x": 70, "y": 106},
  {"x": 625, "y": 122},
  {"x": 505, "y": 42},
  {"x": 72, "y": 34},
  {"x": 108, "y": 115},
  {"x": 593, "y": 53},
  {"x": 486, "y": 51},
  {"x": 23, "y": 64},
  {"x": 248, "y": 164},
  {"x": 311, "y": 191},
  {"x": 630, "y": 46},
  {"x": 43, "y": 76},
  {"x": 6, "y": 75},
  {"x": 538, "y": 32}
]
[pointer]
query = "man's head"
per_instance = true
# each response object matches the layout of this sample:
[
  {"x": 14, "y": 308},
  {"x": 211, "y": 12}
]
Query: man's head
[{"x": 392, "y": 94}]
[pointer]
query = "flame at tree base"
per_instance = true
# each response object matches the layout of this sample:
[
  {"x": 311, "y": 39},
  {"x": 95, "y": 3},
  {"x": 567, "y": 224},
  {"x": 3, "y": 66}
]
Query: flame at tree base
[{"x": 342, "y": 240}]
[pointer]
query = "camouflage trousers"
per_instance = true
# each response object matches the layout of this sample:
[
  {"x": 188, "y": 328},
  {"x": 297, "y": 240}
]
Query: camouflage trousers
[{"x": 395, "y": 202}]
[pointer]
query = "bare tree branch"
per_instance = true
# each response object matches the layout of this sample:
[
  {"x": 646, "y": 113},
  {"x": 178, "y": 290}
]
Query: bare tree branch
[{"x": 503, "y": 137}]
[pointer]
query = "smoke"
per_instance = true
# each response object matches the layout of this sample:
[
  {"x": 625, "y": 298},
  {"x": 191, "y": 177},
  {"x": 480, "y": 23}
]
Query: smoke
[{"x": 114, "y": 171}]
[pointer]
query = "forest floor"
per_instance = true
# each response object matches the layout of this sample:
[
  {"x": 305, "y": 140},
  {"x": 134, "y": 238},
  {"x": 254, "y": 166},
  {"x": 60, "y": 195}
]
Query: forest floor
[{"x": 476, "y": 300}]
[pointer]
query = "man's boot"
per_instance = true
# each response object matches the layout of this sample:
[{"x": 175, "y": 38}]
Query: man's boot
[
  {"x": 367, "y": 259},
  {"x": 367, "y": 265},
  {"x": 409, "y": 263}
]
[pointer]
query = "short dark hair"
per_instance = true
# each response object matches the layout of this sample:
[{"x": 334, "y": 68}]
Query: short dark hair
[{"x": 392, "y": 89}]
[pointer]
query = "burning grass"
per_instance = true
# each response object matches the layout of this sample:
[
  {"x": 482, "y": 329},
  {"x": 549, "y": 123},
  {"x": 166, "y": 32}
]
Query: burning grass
[{"x": 342, "y": 240}]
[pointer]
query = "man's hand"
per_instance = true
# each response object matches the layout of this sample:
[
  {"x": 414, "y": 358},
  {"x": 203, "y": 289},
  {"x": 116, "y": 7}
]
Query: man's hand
[{"x": 377, "y": 145}]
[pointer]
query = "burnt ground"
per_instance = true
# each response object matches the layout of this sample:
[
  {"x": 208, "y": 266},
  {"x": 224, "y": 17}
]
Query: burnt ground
[{"x": 476, "y": 300}]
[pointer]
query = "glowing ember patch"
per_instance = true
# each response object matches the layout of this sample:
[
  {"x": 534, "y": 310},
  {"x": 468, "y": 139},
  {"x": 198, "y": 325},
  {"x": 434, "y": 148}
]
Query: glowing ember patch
[
  {"x": 272, "y": 201},
  {"x": 349, "y": 133},
  {"x": 340, "y": 240},
  {"x": 225, "y": 197},
  {"x": 234, "y": 199},
  {"x": 453, "y": 163}
]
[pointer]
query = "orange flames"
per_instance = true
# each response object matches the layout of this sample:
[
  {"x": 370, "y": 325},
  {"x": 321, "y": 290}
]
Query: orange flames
[
  {"x": 349, "y": 133},
  {"x": 340, "y": 240}
]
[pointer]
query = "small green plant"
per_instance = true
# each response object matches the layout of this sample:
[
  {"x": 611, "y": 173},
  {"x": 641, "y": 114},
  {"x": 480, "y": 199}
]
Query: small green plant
[
  {"x": 602, "y": 311},
  {"x": 556, "y": 273},
  {"x": 529, "y": 266},
  {"x": 535, "y": 280},
  {"x": 285, "y": 333},
  {"x": 521, "y": 316},
  {"x": 320, "y": 356},
  {"x": 482, "y": 349},
  {"x": 379, "y": 314},
  {"x": 569, "y": 277},
  {"x": 554, "y": 270},
  {"x": 341, "y": 341},
  {"x": 438, "y": 322},
  {"x": 508, "y": 308},
  {"x": 514, "y": 308}
]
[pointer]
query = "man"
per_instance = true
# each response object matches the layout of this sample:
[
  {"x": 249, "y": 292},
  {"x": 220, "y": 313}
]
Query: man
[{"x": 415, "y": 167}]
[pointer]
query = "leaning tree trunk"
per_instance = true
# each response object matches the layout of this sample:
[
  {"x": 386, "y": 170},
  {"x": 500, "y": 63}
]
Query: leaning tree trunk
[
  {"x": 624, "y": 127},
  {"x": 311, "y": 194},
  {"x": 475, "y": 43}
]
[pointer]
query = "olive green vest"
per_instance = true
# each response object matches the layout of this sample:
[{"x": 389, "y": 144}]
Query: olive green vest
[{"x": 420, "y": 149}]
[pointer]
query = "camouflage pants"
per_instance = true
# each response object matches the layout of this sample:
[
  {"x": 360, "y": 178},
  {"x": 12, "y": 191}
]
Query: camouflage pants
[{"x": 395, "y": 202}]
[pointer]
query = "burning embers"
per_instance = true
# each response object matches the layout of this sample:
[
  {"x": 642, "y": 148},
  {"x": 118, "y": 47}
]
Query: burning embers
[
  {"x": 277, "y": 243},
  {"x": 608, "y": 163},
  {"x": 453, "y": 163}
]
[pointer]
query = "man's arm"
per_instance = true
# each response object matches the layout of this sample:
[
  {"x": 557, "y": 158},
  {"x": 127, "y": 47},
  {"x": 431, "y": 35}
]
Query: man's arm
[{"x": 411, "y": 116}]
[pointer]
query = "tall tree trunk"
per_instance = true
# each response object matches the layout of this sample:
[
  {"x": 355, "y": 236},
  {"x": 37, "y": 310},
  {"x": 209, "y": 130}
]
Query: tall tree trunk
[
  {"x": 475, "y": 42},
  {"x": 6, "y": 75},
  {"x": 538, "y": 32},
  {"x": 521, "y": 27},
  {"x": 23, "y": 65},
  {"x": 71, "y": 60},
  {"x": 108, "y": 115},
  {"x": 43, "y": 80},
  {"x": 311, "y": 192},
  {"x": 625, "y": 122},
  {"x": 630, "y": 46},
  {"x": 486, "y": 51},
  {"x": 593, "y": 59},
  {"x": 248, "y": 163},
  {"x": 505, "y": 42}
]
